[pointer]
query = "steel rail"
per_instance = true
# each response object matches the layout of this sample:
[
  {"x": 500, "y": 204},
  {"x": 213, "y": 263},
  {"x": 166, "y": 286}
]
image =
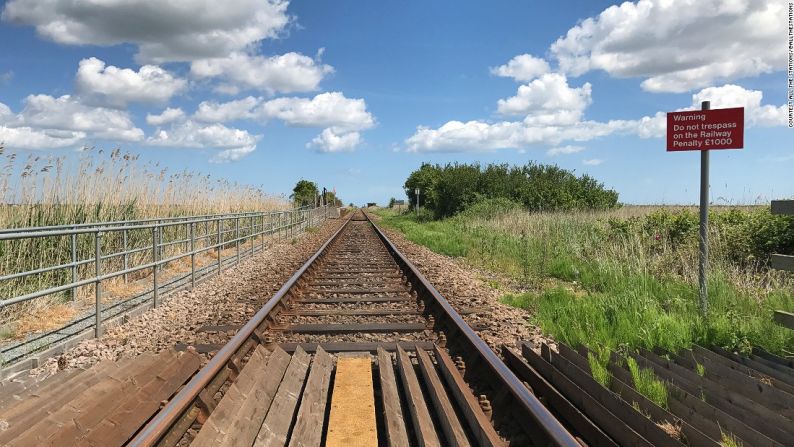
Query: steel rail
[
  {"x": 551, "y": 430},
  {"x": 186, "y": 397},
  {"x": 541, "y": 415}
]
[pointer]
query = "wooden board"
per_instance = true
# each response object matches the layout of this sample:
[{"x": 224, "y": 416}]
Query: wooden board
[
  {"x": 785, "y": 207},
  {"x": 309, "y": 422},
  {"x": 90, "y": 406},
  {"x": 217, "y": 425},
  {"x": 555, "y": 401},
  {"x": 279, "y": 417},
  {"x": 356, "y": 346},
  {"x": 420, "y": 416},
  {"x": 355, "y": 328},
  {"x": 396, "y": 433},
  {"x": 455, "y": 435},
  {"x": 119, "y": 425},
  {"x": 352, "y": 419},
  {"x": 252, "y": 412},
  {"x": 354, "y": 299},
  {"x": 782, "y": 318},
  {"x": 782, "y": 262}
]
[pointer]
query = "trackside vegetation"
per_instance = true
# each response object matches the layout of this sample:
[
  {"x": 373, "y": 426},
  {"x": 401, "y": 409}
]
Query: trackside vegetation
[{"x": 627, "y": 278}]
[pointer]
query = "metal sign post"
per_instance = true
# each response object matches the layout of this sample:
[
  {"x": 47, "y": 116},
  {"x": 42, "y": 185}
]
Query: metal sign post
[
  {"x": 704, "y": 224},
  {"x": 705, "y": 130},
  {"x": 417, "y": 200}
]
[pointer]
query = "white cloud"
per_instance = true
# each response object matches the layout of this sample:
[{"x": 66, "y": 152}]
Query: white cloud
[
  {"x": 564, "y": 150},
  {"x": 331, "y": 141},
  {"x": 677, "y": 45},
  {"x": 214, "y": 112},
  {"x": 329, "y": 109},
  {"x": 234, "y": 143},
  {"x": 163, "y": 30},
  {"x": 592, "y": 162},
  {"x": 286, "y": 73},
  {"x": 228, "y": 155},
  {"x": 168, "y": 115},
  {"x": 522, "y": 68},
  {"x": 29, "y": 138},
  {"x": 548, "y": 100},
  {"x": 6, "y": 77},
  {"x": 65, "y": 113},
  {"x": 730, "y": 95},
  {"x": 456, "y": 136},
  {"x": 106, "y": 85},
  {"x": 5, "y": 112}
]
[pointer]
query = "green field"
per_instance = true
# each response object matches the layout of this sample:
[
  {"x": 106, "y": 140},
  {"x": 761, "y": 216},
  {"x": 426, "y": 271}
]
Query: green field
[{"x": 627, "y": 278}]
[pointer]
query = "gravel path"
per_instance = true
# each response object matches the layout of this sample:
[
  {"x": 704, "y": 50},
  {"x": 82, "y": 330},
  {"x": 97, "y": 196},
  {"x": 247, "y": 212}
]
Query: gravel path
[{"x": 232, "y": 298}]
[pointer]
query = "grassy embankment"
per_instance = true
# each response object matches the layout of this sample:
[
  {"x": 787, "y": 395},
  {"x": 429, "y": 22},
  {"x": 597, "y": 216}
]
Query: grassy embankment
[
  {"x": 97, "y": 186},
  {"x": 627, "y": 278}
]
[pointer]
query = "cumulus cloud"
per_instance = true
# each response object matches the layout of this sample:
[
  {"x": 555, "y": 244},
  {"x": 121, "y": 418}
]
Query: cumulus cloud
[
  {"x": 592, "y": 162},
  {"x": 233, "y": 143},
  {"x": 65, "y": 113},
  {"x": 522, "y": 68},
  {"x": 477, "y": 135},
  {"x": 564, "y": 150},
  {"x": 548, "y": 100},
  {"x": 331, "y": 109},
  {"x": 731, "y": 95},
  {"x": 672, "y": 44},
  {"x": 106, "y": 85},
  {"x": 163, "y": 30},
  {"x": 214, "y": 112},
  {"x": 331, "y": 141},
  {"x": 29, "y": 138},
  {"x": 286, "y": 73},
  {"x": 168, "y": 115}
]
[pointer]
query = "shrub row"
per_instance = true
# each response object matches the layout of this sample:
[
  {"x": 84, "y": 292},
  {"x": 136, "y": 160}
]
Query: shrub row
[{"x": 449, "y": 189}]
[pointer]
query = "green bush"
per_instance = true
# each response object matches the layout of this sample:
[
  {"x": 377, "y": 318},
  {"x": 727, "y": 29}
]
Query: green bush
[{"x": 449, "y": 189}]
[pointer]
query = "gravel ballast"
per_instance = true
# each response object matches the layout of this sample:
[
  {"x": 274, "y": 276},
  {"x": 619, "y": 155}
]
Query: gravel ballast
[{"x": 234, "y": 297}]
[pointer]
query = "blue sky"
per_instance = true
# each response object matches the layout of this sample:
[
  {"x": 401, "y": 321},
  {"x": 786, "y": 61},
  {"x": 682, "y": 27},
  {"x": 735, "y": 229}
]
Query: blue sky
[{"x": 357, "y": 94}]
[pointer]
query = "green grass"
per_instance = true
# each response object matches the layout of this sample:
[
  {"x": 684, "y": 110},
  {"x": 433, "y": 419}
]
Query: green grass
[
  {"x": 615, "y": 291},
  {"x": 646, "y": 383}
]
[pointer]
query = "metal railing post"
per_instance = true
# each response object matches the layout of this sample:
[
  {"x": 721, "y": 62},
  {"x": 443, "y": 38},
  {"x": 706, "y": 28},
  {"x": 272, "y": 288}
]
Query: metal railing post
[
  {"x": 220, "y": 246},
  {"x": 253, "y": 235},
  {"x": 155, "y": 255},
  {"x": 98, "y": 285},
  {"x": 160, "y": 237},
  {"x": 237, "y": 237},
  {"x": 126, "y": 259},
  {"x": 74, "y": 266},
  {"x": 192, "y": 255}
]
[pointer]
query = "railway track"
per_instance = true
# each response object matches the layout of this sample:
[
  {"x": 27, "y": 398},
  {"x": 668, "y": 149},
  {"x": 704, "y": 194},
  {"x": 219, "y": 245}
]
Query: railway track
[
  {"x": 421, "y": 375},
  {"x": 357, "y": 348}
]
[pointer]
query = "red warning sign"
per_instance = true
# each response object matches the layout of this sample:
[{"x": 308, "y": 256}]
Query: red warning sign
[{"x": 701, "y": 130}]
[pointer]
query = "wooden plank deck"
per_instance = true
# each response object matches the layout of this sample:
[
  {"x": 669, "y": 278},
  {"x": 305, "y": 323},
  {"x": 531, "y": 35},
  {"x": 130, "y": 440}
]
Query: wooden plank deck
[{"x": 103, "y": 405}]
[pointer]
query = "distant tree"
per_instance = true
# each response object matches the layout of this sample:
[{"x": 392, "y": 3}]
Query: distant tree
[
  {"x": 392, "y": 201},
  {"x": 304, "y": 193}
]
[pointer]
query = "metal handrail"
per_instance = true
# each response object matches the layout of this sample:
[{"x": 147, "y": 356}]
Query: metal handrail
[
  {"x": 137, "y": 221},
  {"x": 269, "y": 223}
]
